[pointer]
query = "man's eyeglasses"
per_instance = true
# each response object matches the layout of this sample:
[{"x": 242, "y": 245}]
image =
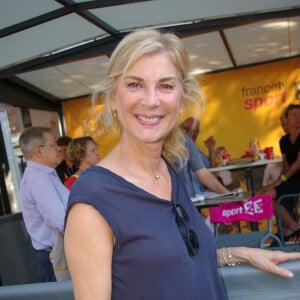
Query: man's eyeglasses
[
  {"x": 189, "y": 236},
  {"x": 52, "y": 145}
]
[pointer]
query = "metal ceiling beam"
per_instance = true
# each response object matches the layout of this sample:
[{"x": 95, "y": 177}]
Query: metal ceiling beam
[
  {"x": 210, "y": 25},
  {"x": 70, "y": 7},
  {"x": 227, "y": 47},
  {"x": 34, "y": 22},
  {"x": 252, "y": 64}
]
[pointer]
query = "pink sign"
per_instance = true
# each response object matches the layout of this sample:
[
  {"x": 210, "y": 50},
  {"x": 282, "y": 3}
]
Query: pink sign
[{"x": 254, "y": 209}]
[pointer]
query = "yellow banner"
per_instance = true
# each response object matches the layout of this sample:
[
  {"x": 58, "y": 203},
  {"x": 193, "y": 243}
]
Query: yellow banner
[
  {"x": 240, "y": 105},
  {"x": 81, "y": 119}
]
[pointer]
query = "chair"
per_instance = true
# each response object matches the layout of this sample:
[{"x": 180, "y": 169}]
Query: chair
[
  {"x": 255, "y": 209},
  {"x": 293, "y": 211},
  {"x": 17, "y": 257}
]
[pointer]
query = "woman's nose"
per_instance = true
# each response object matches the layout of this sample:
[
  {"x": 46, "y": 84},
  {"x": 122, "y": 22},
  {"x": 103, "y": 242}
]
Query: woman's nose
[{"x": 150, "y": 97}]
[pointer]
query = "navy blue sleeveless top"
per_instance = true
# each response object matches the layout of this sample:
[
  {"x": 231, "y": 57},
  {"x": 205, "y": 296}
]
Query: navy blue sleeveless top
[{"x": 150, "y": 260}]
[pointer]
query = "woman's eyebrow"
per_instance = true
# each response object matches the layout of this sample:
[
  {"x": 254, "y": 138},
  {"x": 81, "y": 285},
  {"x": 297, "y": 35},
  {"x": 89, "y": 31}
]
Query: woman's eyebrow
[
  {"x": 141, "y": 79},
  {"x": 133, "y": 77}
]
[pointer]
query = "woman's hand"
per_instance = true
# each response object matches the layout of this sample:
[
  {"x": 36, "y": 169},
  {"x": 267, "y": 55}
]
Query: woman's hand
[{"x": 265, "y": 260}]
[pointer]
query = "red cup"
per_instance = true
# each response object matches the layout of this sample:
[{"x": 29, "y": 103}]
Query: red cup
[
  {"x": 269, "y": 152},
  {"x": 249, "y": 152}
]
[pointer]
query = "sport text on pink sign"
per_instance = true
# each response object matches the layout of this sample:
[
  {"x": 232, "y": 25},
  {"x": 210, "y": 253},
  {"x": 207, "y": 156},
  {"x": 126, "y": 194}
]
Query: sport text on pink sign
[{"x": 254, "y": 209}]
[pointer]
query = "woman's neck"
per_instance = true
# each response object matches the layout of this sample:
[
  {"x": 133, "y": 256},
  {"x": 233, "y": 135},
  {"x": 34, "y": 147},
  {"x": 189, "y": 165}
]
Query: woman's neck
[{"x": 136, "y": 160}]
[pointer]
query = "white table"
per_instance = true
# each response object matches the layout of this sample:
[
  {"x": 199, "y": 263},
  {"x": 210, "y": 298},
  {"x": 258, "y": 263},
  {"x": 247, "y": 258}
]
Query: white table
[
  {"x": 218, "y": 200},
  {"x": 247, "y": 167},
  {"x": 251, "y": 164}
]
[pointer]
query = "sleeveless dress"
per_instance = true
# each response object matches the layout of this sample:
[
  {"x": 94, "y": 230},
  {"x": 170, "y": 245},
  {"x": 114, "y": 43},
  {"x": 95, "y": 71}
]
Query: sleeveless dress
[{"x": 150, "y": 260}]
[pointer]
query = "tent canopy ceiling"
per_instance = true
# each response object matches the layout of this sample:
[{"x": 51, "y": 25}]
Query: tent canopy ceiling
[{"x": 60, "y": 48}]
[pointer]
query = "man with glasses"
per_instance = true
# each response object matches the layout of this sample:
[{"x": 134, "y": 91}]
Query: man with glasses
[{"x": 43, "y": 196}]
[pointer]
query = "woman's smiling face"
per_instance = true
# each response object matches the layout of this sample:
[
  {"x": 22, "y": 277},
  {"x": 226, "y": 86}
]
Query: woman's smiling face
[{"x": 148, "y": 98}]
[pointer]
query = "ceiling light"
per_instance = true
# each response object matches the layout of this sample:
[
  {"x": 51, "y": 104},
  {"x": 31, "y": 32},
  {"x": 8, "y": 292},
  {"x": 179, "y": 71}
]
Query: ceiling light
[
  {"x": 195, "y": 72},
  {"x": 279, "y": 25}
]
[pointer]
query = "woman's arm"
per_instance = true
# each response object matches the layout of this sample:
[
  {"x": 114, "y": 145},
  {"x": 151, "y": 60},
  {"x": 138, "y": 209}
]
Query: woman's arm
[
  {"x": 210, "y": 181},
  {"x": 293, "y": 168},
  {"x": 264, "y": 260},
  {"x": 89, "y": 245},
  {"x": 210, "y": 144},
  {"x": 285, "y": 164}
]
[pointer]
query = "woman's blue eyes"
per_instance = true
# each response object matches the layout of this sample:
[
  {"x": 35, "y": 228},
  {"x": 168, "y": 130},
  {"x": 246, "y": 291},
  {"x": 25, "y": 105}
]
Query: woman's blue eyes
[
  {"x": 134, "y": 84},
  {"x": 166, "y": 86},
  {"x": 162, "y": 86}
]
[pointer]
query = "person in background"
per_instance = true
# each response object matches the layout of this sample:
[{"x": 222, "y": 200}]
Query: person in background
[
  {"x": 83, "y": 153},
  {"x": 284, "y": 121},
  {"x": 272, "y": 171},
  {"x": 288, "y": 182},
  {"x": 65, "y": 168},
  {"x": 225, "y": 176},
  {"x": 44, "y": 198},
  {"x": 199, "y": 180},
  {"x": 132, "y": 231},
  {"x": 191, "y": 126}
]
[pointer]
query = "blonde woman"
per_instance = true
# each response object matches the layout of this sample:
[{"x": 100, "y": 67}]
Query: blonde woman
[{"x": 132, "y": 231}]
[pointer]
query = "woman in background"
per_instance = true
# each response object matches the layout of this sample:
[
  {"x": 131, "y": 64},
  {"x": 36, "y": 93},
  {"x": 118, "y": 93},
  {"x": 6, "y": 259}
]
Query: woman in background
[{"x": 83, "y": 153}]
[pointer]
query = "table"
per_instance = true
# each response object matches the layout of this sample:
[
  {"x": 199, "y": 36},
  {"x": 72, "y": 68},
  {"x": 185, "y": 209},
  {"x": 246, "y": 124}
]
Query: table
[
  {"x": 247, "y": 167},
  {"x": 218, "y": 200}
]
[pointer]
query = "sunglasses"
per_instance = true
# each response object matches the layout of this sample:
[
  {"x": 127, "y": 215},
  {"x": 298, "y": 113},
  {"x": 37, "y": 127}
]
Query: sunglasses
[{"x": 189, "y": 236}]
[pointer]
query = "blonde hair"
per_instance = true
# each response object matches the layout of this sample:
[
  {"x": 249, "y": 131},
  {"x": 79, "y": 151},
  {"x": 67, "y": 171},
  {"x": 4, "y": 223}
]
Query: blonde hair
[{"x": 134, "y": 46}]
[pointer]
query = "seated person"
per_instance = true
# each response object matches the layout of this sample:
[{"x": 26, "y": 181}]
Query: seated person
[
  {"x": 191, "y": 127},
  {"x": 199, "y": 180},
  {"x": 288, "y": 182},
  {"x": 224, "y": 176}
]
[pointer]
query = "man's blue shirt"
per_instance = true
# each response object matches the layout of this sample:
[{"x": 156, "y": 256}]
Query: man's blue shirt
[{"x": 44, "y": 201}]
